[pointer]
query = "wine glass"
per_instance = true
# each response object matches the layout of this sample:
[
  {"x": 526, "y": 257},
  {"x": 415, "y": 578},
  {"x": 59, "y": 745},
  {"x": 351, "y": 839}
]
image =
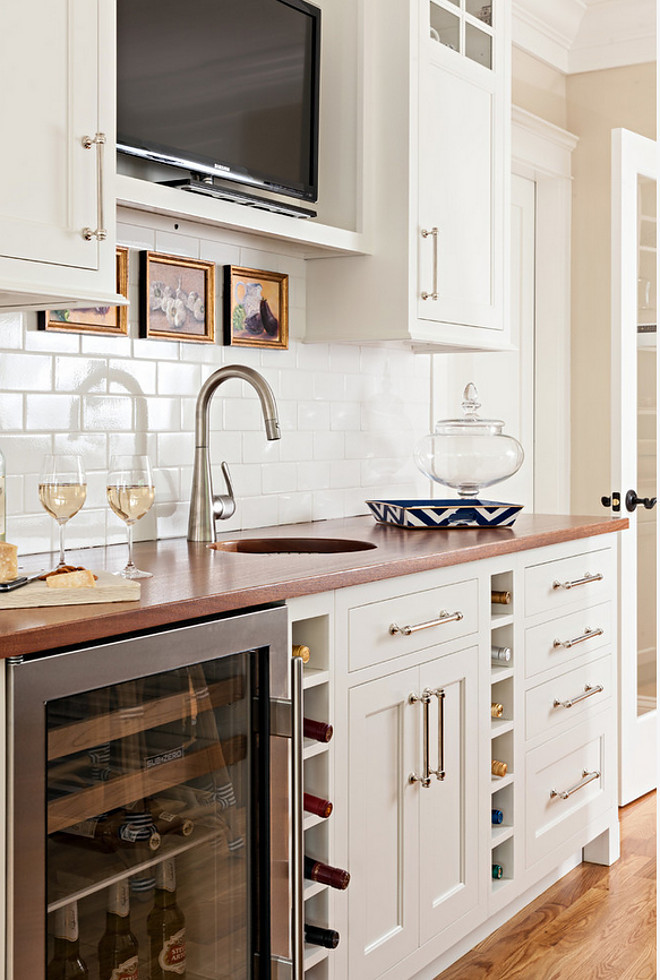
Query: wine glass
[
  {"x": 130, "y": 490},
  {"x": 62, "y": 490}
]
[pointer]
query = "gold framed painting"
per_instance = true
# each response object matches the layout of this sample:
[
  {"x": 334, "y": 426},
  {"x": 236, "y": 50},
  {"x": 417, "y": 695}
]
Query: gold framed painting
[
  {"x": 177, "y": 298},
  {"x": 255, "y": 308},
  {"x": 94, "y": 319}
]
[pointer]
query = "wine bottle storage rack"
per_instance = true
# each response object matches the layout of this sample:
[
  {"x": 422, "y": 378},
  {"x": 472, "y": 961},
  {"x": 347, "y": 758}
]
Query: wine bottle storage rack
[
  {"x": 503, "y": 740},
  {"x": 312, "y": 631}
]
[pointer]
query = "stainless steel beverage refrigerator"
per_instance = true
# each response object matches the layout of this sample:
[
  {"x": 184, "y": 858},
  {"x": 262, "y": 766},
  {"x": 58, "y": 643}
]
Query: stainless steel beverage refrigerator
[{"x": 150, "y": 813}]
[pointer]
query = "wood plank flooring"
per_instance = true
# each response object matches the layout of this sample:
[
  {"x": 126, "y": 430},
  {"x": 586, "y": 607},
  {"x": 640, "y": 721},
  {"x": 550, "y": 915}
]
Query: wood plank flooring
[{"x": 596, "y": 923}]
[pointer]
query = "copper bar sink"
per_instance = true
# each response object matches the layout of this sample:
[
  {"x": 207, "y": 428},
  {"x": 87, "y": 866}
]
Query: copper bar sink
[{"x": 290, "y": 546}]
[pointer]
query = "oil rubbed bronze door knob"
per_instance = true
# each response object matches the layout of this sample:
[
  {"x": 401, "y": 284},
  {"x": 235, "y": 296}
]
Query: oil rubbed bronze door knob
[{"x": 633, "y": 501}]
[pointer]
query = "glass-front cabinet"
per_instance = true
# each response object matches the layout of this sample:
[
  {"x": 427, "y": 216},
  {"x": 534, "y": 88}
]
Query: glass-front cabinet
[{"x": 144, "y": 807}]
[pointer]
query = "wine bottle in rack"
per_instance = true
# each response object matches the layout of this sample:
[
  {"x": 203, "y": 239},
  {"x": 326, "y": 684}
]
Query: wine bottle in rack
[
  {"x": 318, "y": 936},
  {"x": 166, "y": 926},
  {"x": 496, "y": 817},
  {"x": 317, "y": 806},
  {"x": 170, "y": 820},
  {"x": 500, "y": 597},
  {"x": 300, "y": 650},
  {"x": 496, "y": 710},
  {"x": 498, "y": 768},
  {"x": 320, "y": 731},
  {"x": 497, "y": 871},
  {"x": 109, "y": 833},
  {"x": 500, "y": 655},
  {"x": 67, "y": 963},
  {"x": 325, "y": 874},
  {"x": 118, "y": 947}
]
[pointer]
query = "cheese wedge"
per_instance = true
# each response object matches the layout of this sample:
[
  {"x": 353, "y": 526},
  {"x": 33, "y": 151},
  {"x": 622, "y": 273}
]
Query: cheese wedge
[
  {"x": 72, "y": 580},
  {"x": 8, "y": 561}
]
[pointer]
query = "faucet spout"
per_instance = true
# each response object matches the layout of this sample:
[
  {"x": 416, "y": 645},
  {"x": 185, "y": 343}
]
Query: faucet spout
[{"x": 205, "y": 506}]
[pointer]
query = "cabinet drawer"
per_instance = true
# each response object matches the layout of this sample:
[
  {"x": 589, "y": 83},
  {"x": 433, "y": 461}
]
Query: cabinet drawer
[
  {"x": 573, "y": 692},
  {"x": 370, "y": 640},
  {"x": 559, "y": 583},
  {"x": 561, "y": 641},
  {"x": 560, "y": 799}
]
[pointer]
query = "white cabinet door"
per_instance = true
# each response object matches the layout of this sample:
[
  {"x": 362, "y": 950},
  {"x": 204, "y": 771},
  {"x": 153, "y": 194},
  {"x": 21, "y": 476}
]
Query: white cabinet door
[
  {"x": 57, "y": 77},
  {"x": 383, "y": 807},
  {"x": 449, "y": 808},
  {"x": 413, "y": 848}
]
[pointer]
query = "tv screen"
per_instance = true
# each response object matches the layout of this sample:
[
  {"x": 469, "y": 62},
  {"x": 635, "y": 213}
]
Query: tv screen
[{"x": 227, "y": 88}]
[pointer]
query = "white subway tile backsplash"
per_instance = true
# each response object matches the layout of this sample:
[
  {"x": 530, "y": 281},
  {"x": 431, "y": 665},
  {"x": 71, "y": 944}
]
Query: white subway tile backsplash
[
  {"x": 107, "y": 412},
  {"x": 348, "y": 415},
  {"x": 11, "y": 411},
  {"x": 52, "y": 413},
  {"x": 26, "y": 372}
]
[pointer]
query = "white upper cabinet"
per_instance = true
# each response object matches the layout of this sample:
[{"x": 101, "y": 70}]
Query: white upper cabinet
[
  {"x": 435, "y": 173},
  {"x": 57, "y": 186}
]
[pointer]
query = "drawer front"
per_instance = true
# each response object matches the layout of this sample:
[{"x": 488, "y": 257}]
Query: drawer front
[
  {"x": 555, "y": 584},
  {"x": 563, "y": 792},
  {"x": 563, "y": 640},
  {"x": 565, "y": 700},
  {"x": 371, "y": 641}
]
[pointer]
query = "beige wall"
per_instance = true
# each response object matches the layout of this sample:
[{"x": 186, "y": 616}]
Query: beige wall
[
  {"x": 538, "y": 88},
  {"x": 597, "y": 102}
]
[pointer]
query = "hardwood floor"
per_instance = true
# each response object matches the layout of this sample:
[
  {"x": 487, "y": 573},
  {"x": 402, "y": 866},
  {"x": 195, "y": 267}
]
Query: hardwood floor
[{"x": 595, "y": 924}]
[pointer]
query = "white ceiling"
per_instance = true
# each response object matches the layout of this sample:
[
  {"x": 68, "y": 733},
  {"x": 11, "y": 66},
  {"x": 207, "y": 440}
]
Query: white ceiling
[{"x": 586, "y": 35}]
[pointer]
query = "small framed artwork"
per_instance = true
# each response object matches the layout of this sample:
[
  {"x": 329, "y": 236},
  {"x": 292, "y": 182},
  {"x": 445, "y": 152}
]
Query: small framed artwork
[
  {"x": 256, "y": 308},
  {"x": 95, "y": 319},
  {"x": 177, "y": 298}
]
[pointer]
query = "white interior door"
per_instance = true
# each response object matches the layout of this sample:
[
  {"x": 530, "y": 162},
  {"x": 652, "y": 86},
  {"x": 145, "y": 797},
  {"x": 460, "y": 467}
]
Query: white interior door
[{"x": 634, "y": 458}]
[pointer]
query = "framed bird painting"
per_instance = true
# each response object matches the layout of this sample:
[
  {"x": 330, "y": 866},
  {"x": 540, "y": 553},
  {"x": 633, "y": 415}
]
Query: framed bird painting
[{"x": 256, "y": 308}]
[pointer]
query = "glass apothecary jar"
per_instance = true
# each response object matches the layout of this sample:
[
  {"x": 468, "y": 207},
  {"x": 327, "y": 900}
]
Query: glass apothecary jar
[{"x": 470, "y": 453}]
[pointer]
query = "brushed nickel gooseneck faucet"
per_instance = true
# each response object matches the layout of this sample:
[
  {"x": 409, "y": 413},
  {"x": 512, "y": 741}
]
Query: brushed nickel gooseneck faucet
[{"x": 206, "y": 507}]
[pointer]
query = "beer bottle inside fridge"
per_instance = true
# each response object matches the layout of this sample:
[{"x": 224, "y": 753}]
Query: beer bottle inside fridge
[
  {"x": 118, "y": 948},
  {"x": 166, "y": 927},
  {"x": 66, "y": 964}
]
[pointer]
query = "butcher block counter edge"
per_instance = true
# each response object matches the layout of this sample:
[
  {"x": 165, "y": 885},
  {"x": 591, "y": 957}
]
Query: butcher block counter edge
[{"x": 190, "y": 581}]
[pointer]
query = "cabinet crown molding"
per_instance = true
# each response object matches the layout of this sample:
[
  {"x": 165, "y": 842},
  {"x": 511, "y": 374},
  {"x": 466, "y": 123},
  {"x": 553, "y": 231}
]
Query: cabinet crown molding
[{"x": 586, "y": 35}]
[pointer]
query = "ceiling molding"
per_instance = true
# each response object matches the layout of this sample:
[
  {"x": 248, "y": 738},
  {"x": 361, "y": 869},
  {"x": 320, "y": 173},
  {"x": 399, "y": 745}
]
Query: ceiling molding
[{"x": 586, "y": 35}]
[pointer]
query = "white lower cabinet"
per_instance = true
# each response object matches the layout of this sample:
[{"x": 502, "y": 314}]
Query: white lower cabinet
[
  {"x": 511, "y": 658},
  {"x": 413, "y": 861}
]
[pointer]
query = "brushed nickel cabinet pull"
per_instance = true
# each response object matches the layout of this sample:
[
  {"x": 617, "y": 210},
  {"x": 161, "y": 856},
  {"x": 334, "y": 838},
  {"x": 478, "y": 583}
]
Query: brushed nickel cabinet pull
[
  {"x": 100, "y": 233},
  {"x": 587, "y": 777},
  {"x": 297, "y": 830},
  {"x": 587, "y": 635},
  {"x": 580, "y": 581},
  {"x": 425, "y": 700},
  {"x": 433, "y": 233},
  {"x": 443, "y": 618},
  {"x": 439, "y": 773},
  {"x": 588, "y": 692}
]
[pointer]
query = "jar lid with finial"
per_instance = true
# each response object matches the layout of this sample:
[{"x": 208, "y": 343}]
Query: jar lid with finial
[{"x": 469, "y": 453}]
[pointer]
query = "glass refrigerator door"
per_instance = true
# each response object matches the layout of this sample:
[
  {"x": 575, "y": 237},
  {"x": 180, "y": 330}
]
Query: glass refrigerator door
[{"x": 153, "y": 860}]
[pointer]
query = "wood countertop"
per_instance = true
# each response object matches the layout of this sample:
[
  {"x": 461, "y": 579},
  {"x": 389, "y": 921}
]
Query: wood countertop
[{"x": 189, "y": 580}]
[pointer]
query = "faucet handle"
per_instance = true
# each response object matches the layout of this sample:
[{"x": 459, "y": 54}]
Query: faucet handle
[{"x": 224, "y": 504}]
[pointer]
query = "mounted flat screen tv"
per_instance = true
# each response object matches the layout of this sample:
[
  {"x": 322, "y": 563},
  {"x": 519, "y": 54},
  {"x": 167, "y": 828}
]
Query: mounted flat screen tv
[{"x": 222, "y": 88}]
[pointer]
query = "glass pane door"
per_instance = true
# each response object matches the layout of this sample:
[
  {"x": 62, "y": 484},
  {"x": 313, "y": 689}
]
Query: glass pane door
[
  {"x": 646, "y": 444},
  {"x": 152, "y": 852}
]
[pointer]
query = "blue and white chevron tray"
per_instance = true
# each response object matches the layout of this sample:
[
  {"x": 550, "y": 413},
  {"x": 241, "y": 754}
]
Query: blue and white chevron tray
[{"x": 444, "y": 513}]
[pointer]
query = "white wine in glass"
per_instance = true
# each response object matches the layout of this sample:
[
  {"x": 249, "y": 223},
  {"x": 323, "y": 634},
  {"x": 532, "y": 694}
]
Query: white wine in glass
[
  {"x": 62, "y": 490},
  {"x": 130, "y": 491}
]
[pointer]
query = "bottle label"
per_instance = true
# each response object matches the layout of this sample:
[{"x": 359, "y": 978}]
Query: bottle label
[
  {"x": 2, "y": 505},
  {"x": 128, "y": 970},
  {"x": 118, "y": 901},
  {"x": 65, "y": 925},
  {"x": 86, "y": 828},
  {"x": 166, "y": 876},
  {"x": 172, "y": 957}
]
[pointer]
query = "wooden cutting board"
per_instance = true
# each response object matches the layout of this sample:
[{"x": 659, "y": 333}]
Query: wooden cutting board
[{"x": 109, "y": 588}]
